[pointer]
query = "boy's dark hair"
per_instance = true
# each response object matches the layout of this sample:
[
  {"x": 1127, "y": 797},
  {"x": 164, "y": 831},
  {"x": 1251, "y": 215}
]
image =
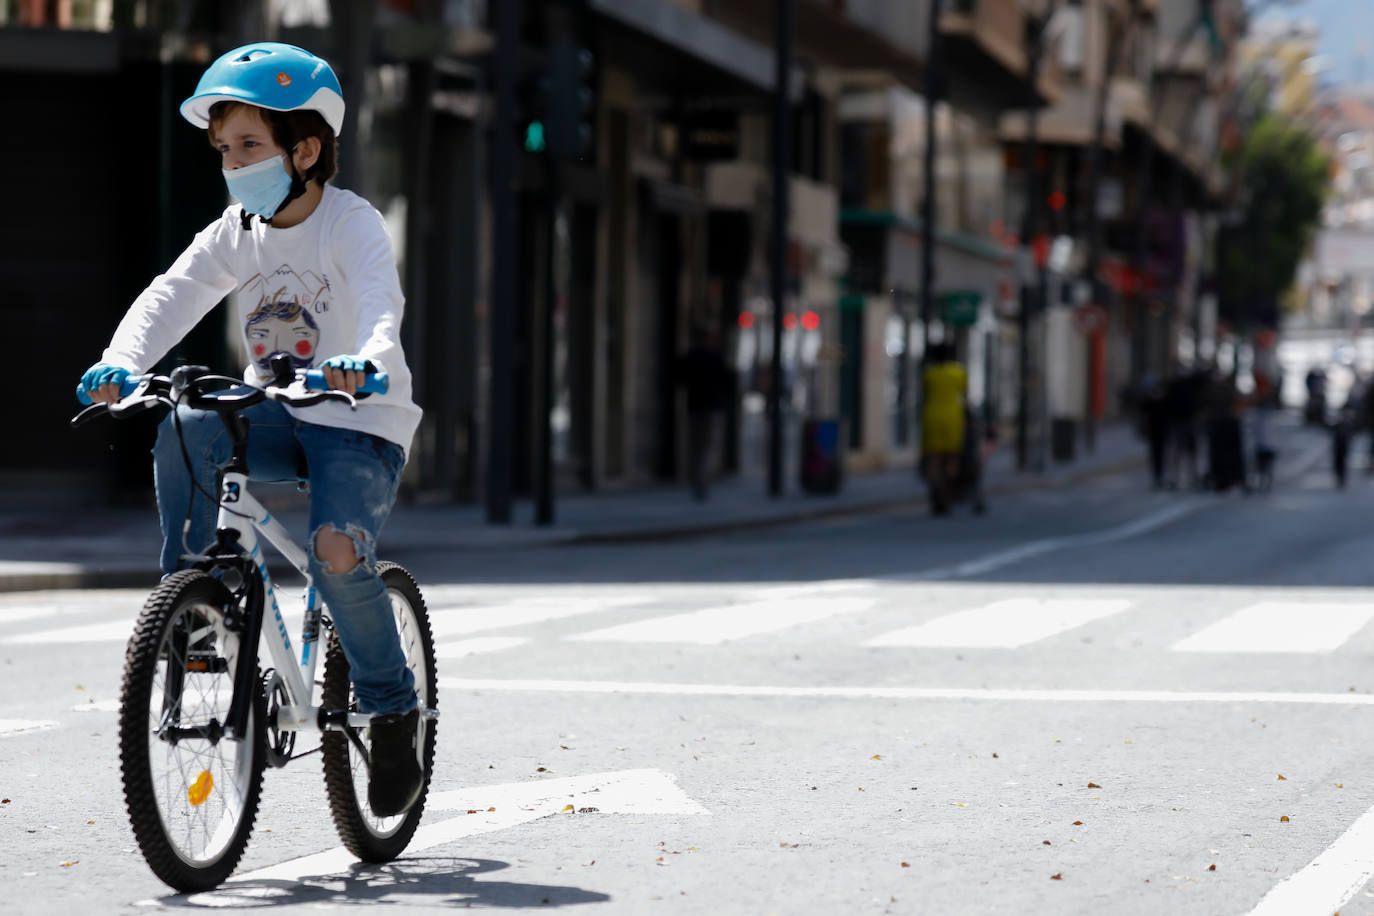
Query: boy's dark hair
[{"x": 289, "y": 128}]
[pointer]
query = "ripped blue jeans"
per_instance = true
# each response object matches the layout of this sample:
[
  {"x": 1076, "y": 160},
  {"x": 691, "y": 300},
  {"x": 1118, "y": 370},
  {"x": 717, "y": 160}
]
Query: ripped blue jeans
[{"x": 353, "y": 481}]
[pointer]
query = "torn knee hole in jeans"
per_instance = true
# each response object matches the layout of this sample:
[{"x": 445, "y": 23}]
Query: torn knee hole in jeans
[{"x": 363, "y": 548}]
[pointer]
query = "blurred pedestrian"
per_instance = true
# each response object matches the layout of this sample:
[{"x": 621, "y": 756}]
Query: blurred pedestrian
[
  {"x": 1154, "y": 421},
  {"x": 1314, "y": 413},
  {"x": 942, "y": 423},
  {"x": 1225, "y": 442},
  {"x": 1366, "y": 417},
  {"x": 705, "y": 377},
  {"x": 1182, "y": 407}
]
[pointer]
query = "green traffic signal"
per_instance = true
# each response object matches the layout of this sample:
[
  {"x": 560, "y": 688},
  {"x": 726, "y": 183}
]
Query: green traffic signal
[{"x": 534, "y": 137}]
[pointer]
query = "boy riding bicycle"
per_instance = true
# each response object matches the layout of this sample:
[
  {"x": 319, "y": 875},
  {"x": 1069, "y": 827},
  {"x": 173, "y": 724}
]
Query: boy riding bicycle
[{"x": 315, "y": 278}]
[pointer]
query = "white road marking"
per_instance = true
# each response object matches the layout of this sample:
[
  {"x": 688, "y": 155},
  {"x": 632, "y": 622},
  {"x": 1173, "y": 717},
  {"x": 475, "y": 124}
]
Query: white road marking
[
  {"x": 1281, "y": 626},
  {"x": 715, "y": 625},
  {"x": 19, "y": 726},
  {"x": 477, "y": 645},
  {"x": 113, "y": 631},
  {"x": 623, "y": 792},
  {"x": 1006, "y": 624},
  {"x": 906, "y": 693},
  {"x": 452, "y": 621},
  {"x": 98, "y": 706},
  {"x": 1329, "y": 880},
  {"x": 996, "y": 560}
]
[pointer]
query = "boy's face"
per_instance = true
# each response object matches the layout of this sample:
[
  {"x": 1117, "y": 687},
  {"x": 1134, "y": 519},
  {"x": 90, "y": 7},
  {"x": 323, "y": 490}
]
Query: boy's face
[{"x": 243, "y": 138}]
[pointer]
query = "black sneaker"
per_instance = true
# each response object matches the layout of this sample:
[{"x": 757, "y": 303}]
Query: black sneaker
[{"x": 395, "y": 780}]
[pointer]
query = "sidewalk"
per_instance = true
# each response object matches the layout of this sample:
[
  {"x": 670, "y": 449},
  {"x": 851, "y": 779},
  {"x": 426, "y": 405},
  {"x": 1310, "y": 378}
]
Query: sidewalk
[{"x": 41, "y": 546}]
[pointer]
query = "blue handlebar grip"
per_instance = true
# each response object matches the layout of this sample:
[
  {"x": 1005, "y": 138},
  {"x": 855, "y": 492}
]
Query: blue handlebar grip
[
  {"x": 374, "y": 383},
  {"x": 126, "y": 388}
]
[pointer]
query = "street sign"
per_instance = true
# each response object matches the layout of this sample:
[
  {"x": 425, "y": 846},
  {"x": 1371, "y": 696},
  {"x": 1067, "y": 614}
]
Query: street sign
[
  {"x": 960, "y": 307},
  {"x": 1090, "y": 320}
]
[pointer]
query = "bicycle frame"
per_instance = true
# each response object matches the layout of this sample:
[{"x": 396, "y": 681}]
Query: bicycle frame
[{"x": 241, "y": 518}]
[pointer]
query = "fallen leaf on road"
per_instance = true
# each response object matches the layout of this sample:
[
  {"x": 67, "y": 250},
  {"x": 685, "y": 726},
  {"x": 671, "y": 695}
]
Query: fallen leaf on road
[
  {"x": 71, "y": 863},
  {"x": 876, "y": 757},
  {"x": 1057, "y": 876},
  {"x": 1212, "y": 867},
  {"x": 1093, "y": 785},
  {"x": 4, "y": 801},
  {"x": 1046, "y": 843},
  {"x": 1339, "y": 785},
  {"x": 1281, "y": 776},
  {"x": 906, "y": 865},
  {"x": 566, "y": 809},
  {"x": 1283, "y": 819},
  {"x": 1078, "y": 823}
]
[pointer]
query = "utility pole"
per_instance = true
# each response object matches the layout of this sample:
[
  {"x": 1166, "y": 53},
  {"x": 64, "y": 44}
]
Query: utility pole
[
  {"x": 1032, "y": 292},
  {"x": 934, "y": 91},
  {"x": 783, "y": 17},
  {"x": 1117, "y": 39},
  {"x": 502, "y": 312}
]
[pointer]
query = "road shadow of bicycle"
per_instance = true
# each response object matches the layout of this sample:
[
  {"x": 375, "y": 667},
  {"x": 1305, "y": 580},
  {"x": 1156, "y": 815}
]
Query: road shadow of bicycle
[{"x": 418, "y": 881}]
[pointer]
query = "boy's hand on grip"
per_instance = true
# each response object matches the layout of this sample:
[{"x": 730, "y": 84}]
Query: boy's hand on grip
[
  {"x": 346, "y": 372},
  {"x": 101, "y": 384}
]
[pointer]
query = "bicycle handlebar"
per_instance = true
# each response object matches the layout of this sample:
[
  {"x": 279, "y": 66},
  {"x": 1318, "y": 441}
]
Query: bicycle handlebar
[{"x": 305, "y": 388}]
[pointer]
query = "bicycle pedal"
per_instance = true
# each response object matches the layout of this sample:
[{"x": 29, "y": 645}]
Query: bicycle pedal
[
  {"x": 206, "y": 662},
  {"x": 429, "y": 712}
]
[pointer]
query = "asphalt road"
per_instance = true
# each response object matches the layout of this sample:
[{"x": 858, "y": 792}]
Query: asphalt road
[{"x": 1107, "y": 700}]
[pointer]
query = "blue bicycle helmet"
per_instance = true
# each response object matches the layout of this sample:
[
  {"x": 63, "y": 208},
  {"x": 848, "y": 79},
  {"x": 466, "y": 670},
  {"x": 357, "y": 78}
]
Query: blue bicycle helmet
[{"x": 268, "y": 74}]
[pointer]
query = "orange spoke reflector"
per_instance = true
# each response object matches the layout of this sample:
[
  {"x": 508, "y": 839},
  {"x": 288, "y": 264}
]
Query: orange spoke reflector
[{"x": 200, "y": 789}]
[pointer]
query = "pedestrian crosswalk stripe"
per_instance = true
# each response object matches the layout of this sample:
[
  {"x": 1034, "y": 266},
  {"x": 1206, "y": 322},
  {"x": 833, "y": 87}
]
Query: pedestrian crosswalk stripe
[
  {"x": 113, "y": 631},
  {"x": 714, "y": 625},
  {"x": 477, "y": 645},
  {"x": 1280, "y": 626},
  {"x": 18, "y": 726},
  {"x": 453, "y": 621},
  {"x": 1005, "y": 624}
]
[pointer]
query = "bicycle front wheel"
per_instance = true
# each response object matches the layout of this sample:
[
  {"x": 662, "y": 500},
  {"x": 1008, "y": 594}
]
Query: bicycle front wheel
[
  {"x": 367, "y": 836},
  {"x": 192, "y": 791}
]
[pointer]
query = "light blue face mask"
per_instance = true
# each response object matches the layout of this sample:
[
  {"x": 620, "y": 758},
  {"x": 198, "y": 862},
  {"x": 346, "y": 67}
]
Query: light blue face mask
[{"x": 260, "y": 187}]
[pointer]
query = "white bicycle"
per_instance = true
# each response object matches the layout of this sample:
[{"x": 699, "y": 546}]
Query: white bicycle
[{"x": 199, "y": 718}]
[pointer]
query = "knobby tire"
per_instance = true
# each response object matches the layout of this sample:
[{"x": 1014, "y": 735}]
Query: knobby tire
[
  {"x": 370, "y": 838},
  {"x": 191, "y": 801}
]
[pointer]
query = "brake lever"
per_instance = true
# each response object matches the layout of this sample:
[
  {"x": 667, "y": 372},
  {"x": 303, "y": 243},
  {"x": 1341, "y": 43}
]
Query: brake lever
[
  {"x": 297, "y": 395},
  {"x": 89, "y": 414},
  {"x": 132, "y": 406}
]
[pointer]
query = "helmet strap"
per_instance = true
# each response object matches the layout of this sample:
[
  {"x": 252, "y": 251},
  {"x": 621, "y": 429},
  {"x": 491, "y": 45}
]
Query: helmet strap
[{"x": 298, "y": 187}]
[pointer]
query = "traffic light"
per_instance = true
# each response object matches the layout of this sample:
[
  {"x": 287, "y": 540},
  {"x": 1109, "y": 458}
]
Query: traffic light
[{"x": 567, "y": 128}]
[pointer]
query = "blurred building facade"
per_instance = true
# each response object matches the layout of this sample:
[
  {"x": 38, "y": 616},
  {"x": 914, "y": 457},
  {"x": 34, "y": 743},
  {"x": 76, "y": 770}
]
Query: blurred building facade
[
  {"x": 1336, "y": 286},
  {"x": 667, "y": 214}
]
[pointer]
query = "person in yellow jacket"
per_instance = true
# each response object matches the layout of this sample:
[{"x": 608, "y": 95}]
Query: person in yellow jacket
[{"x": 942, "y": 422}]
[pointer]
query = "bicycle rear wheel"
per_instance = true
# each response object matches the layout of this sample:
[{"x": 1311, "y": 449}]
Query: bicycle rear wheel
[
  {"x": 367, "y": 836},
  {"x": 192, "y": 791}
]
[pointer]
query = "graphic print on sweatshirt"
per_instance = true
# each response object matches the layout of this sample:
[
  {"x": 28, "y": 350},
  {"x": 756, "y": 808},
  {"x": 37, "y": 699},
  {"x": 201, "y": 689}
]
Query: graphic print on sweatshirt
[{"x": 283, "y": 319}]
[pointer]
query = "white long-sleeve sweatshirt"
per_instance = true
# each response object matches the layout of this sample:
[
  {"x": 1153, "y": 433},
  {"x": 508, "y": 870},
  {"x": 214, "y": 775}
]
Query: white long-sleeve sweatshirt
[{"x": 325, "y": 287}]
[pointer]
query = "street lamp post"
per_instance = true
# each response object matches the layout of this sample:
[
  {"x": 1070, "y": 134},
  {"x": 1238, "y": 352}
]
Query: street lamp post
[
  {"x": 934, "y": 91},
  {"x": 784, "y": 13},
  {"x": 1038, "y": 15}
]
